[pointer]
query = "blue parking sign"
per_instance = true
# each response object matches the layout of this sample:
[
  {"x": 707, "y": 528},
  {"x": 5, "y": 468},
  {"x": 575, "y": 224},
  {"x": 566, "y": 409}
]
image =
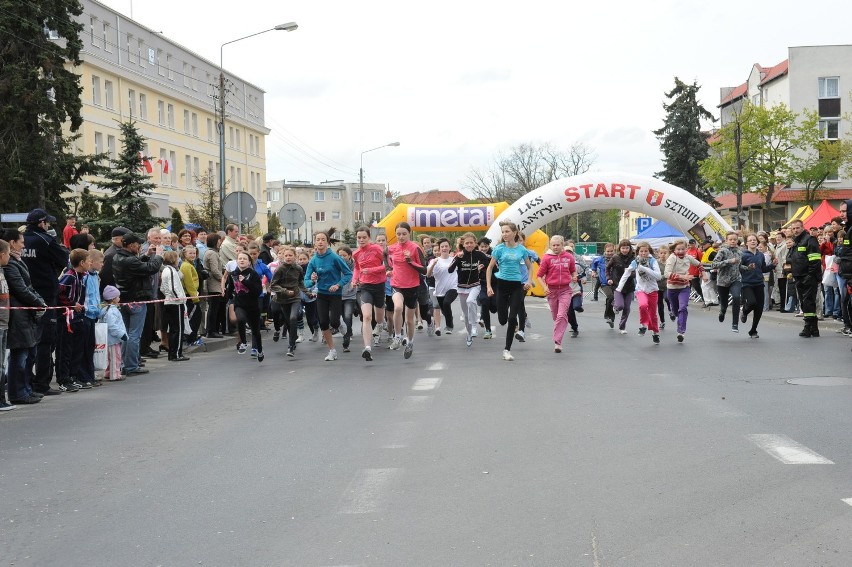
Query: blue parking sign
[{"x": 643, "y": 223}]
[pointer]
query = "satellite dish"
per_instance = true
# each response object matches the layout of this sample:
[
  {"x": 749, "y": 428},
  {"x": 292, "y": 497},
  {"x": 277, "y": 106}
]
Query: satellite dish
[
  {"x": 239, "y": 207},
  {"x": 292, "y": 216}
]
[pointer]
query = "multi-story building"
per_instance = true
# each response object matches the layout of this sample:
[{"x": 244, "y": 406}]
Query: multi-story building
[
  {"x": 816, "y": 78},
  {"x": 326, "y": 205},
  {"x": 132, "y": 72}
]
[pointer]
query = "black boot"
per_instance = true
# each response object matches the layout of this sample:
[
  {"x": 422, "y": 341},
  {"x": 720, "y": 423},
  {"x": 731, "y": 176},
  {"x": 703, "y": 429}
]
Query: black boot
[
  {"x": 814, "y": 327},
  {"x": 810, "y": 328}
]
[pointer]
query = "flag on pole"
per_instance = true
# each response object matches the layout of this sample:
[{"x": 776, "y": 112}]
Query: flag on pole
[{"x": 146, "y": 163}]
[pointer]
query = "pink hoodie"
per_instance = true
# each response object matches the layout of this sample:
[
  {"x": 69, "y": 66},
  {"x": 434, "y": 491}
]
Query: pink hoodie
[{"x": 557, "y": 270}]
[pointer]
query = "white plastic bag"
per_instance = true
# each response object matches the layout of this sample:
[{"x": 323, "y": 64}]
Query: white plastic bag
[{"x": 100, "y": 346}]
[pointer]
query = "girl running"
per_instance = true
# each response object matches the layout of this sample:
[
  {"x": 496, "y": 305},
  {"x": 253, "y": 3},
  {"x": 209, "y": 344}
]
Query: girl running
[
  {"x": 663, "y": 254},
  {"x": 348, "y": 297},
  {"x": 488, "y": 304},
  {"x": 511, "y": 289},
  {"x": 247, "y": 289},
  {"x": 754, "y": 265},
  {"x": 382, "y": 240},
  {"x": 406, "y": 263},
  {"x": 445, "y": 282},
  {"x": 647, "y": 271},
  {"x": 369, "y": 276},
  {"x": 614, "y": 270},
  {"x": 677, "y": 281},
  {"x": 468, "y": 264},
  {"x": 329, "y": 273},
  {"x": 287, "y": 286},
  {"x": 556, "y": 273},
  {"x": 728, "y": 262},
  {"x": 309, "y": 305}
]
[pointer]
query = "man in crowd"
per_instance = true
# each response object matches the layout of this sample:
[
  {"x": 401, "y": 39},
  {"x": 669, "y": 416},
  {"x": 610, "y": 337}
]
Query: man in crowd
[
  {"x": 45, "y": 259},
  {"x": 266, "y": 252},
  {"x": 154, "y": 238},
  {"x": 806, "y": 265},
  {"x": 201, "y": 242},
  {"x": 132, "y": 277},
  {"x": 228, "y": 248},
  {"x": 106, "y": 275}
]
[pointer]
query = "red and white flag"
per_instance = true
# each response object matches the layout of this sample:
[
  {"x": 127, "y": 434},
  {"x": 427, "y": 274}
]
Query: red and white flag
[
  {"x": 146, "y": 163},
  {"x": 165, "y": 164}
]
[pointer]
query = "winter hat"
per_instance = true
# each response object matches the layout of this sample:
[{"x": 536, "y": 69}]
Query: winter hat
[{"x": 110, "y": 293}]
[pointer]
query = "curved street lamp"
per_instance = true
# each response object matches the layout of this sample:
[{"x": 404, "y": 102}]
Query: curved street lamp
[{"x": 361, "y": 175}]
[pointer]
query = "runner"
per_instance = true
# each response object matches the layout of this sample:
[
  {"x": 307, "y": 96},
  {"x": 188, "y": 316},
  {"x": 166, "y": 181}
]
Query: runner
[
  {"x": 247, "y": 289},
  {"x": 614, "y": 270},
  {"x": 488, "y": 304},
  {"x": 445, "y": 285},
  {"x": 754, "y": 265},
  {"x": 369, "y": 276},
  {"x": 469, "y": 262},
  {"x": 647, "y": 271},
  {"x": 511, "y": 289},
  {"x": 556, "y": 273},
  {"x": 382, "y": 240},
  {"x": 678, "y": 276},
  {"x": 309, "y": 305},
  {"x": 728, "y": 262},
  {"x": 405, "y": 266},
  {"x": 599, "y": 265},
  {"x": 663, "y": 253},
  {"x": 329, "y": 273},
  {"x": 287, "y": 286},
  {"x": 348, "y": 296}
]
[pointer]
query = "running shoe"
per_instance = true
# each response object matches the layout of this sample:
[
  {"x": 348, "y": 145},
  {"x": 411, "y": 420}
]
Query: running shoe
[
  {"x": 437, "y": 332},
  {"x": 260, "y": 356},
  {"x": 409, "y": 350},
  {"x": 367, "y": 354},
  {"x": 241, "y": 348},
  {"x": 662, "y": 324},
  {"x": 6, "y": 407},
  {"x": 611, "y": 323},
  {"x": 557, "y": 347},
  {"x": 623, "y": 331},
  {"x": 448, "y": 330},
  {"x": 507, "y": 355},
  {"x": 469, "y": 340},
  {"x": 332, "y": 355},
  {"x": 419, "y": 325},
  {"x": 575, "y": 334},
  {"x": 84, "y": 385},
  {"x": 396, "y": 342},
  {"x": 528, "y": 324},
  {"x": 69, "y": 387},
  {"x": 743, "y": 316},
  {"x": 291, "y": 352},
  {"x": 680, "y": 337},
  {"x": 735, "y": 328},
  {"x": 753, "y": 335},
  {"x": 346, "y": 348},
  {"x": 430, "y": 328},
  {"x": 474, "y": 333},
  {"x": 656, "y": 338},
  {"x": 275, "y": 336},
  {"x": 721, "y": 316},
  {"x": 642, "y": 330},
  {"x": 519, "y": 335},
  {"x": 672, "y": 316},
  {"x": 254, "y": 353},
  {"x": 487, "y": 335},
  {"x": 300, "y": 338},
  {"x": 315, "y": 336}
]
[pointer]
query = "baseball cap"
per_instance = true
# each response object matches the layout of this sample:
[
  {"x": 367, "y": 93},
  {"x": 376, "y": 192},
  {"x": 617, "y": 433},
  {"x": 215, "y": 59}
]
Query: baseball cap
[{"x": 36, "y": 216}]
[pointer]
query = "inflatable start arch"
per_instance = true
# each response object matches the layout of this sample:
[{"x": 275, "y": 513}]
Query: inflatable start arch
[{"x": 613, "y": 190}]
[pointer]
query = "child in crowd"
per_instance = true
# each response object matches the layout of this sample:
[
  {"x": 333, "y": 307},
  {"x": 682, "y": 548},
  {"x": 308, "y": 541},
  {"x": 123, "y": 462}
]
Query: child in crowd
[
  {"x": 72, "y": 296},
  {"x": 4, "y": 324},
  {"x": 309, "y": 304},
  {"x": 93, "y": 312},
  {"x": 647, "y": 271},
  {"x": 287, "y": 288},
  {"x": 556, "y": 273},
  {"x": 116, "y": 333}
]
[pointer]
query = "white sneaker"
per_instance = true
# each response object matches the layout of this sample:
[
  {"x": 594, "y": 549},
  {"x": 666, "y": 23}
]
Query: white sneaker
[
  {"x": 315, "y": 336},
  {"x": 473, "y": 333},
  {"x": 396, "y": 342},
  {"x": 419, "y": 325},
  {"x": 332, "y": 355},
  {"x": 448, "y": 331},
  {"x": 300, "y": 338},
  {"x": 507, "y": 355}
]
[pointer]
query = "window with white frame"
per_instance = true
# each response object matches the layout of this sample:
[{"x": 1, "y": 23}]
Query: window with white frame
[
  {"x": 186, "y": 122},
  {"x": 131, "y": 103},
  {"x": 94, "y": 38},
  {"x": 209, "y": 129},
  {"x": 169, "y": 67},
  {"x": 239, "y": 179},
  {"x": 108, "y": 95},
  {"x": 335, "y": 195},
  {"x": 357, "y": 196},
  {"x": 237, "y": 135},
  {"x": 164, "y": 156},
  {"x": 111, "y": 148},
  {"x": 99, "y": 143},
  {"x": 196, "y": 164},
  {"x": 377, "y": 196},
  {"x": 187, "y": 169},
  {"x": 143, "y": 107},
  {"x": 829, "y": 87},
  {"x": 231, "y": 135},
  {"x": 829, "y": 129},
  {"x": 140, "y": 53},
  {"x": 173, "y": 168},
  {"x": 319, "y": 195},
  {"x": 129, "y": 46},
  {"x": 193, "y": 79},
  {"x": 335, "y": 215},
  {"x": 170, "y": 113},
  {"x": 96, "y": 90},
  {"x": 319, "y": 216},
  {"x": 160, "y": 67},
  {"x": 273, "y": 195},
  {"x": 161, "y": 113},
  {"x": 210, "y": 170},
  {"x": 358, "y": 216},
  {"x": 107, "y": 43},
  {"x": 375, "y": 216},
  {"x": 195, "y": 124},
  {"x": 186, "y": 74}
]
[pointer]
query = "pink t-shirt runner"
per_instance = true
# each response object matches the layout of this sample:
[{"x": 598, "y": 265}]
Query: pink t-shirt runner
[
  {"x": 369, "y": 265},
  {"x": 404, "y": 275}
]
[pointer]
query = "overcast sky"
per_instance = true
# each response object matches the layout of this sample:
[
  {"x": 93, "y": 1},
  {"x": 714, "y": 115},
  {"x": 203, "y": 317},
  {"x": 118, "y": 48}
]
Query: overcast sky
[{"x": 457, "y": 82}]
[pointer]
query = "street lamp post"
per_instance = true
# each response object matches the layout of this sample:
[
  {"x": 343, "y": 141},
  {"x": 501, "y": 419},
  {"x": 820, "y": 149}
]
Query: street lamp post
[
  {"x": 289, "y": 26},
  {"x": 361, "y": 176}
]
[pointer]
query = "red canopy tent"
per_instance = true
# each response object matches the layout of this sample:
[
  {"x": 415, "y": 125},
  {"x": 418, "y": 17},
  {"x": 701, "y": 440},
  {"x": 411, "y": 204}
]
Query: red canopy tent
[{"x": 822, "y": 215}]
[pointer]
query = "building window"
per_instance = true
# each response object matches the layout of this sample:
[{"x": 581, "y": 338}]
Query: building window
[
  {"x": 107, "y": 44},
  {"x": 187, "y": 164},
  {"x": 829, "y": 129},
  {"x": 274, "y": 195},
  {"x": 140, "y": 52},
  {"x": 196, "y": 173},
  {"x": 357, "y": 196},
  {"x": 231, "y": 135},
  {"x": 239, "y": 179},
  {"x": 335, "y": 195},
  {"x": 195, "y": 124},
  {"x": 238, "y": 136},
  {"x": 335, "y": 215},
  {"x": 375, "y": 216},
  {"x": 169, "y": 67},
  {"x": 233, "y": 179},
  {"x": 170, "y": 113},
  {"x": 99, "y": 143},
  {"x": 358, "y": 216},
  {"x": 92, "y": 37},
  {"x": 96, "y": 90},
  {"x": 186, "y": 122},
  {"x": 108, "y": 98},
  {"x": 129, "y": 47},
  {"x": 143, "y": 107},
  {"x": 111, "y": 147},
  {"x": 186, "y": 74},
  {"x": 209, "y": 129},
  {"x": 160, "y": 69},
  {"x": 319, "y": 216},
  {"x": 829, "y": 87},
  {"x": 319, "y": 195},
  {"x": 193, "y": 79},
  {"x": 131, "y": 103},
  {"x": 162, "y": 163},
  {"x": 161, "y": 113},
  {"x": 377, "y": 196},
  {"x": 172, "y": 168},
  {"x": 210, "y": 169}
]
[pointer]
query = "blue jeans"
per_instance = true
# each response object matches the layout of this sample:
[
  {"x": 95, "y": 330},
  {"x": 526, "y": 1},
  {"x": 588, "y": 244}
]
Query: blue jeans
[
  {"x": 134, "y": 321},
  {"x": 20, "y": 359},
  {"x": 831, "y": 307}
]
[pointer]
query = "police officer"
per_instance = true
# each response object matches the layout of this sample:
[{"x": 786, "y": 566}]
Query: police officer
[
  {"x": 806, "y": 265},
  {"x": 45, "y": 258}
]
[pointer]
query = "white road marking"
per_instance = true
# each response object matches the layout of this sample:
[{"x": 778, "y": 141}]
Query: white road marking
[
  {"x": 424, "y": 384},
  {"x": 398, "y": 436},
  {"x": 438, "y": 366},
  {"x": 414, "y": 403},
  {"x": 848, "y": 501},
  {"x": 365, "y": 492},
  {"x": 788, "y": 451}
]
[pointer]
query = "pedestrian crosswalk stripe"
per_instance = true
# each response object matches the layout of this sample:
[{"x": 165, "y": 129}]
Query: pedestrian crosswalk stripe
[{"x": 788, "y": 451}]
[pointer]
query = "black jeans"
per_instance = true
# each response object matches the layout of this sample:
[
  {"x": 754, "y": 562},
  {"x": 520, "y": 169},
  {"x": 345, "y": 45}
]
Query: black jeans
[
  {"x": 287, "y": 315},
  {"x": 213, "y": 315},
  {"x": 753, "y": 298},
  {"x": 445, "y": 303},
  {"x": 249, "y": 316},
  {"x": 730, "y": 294}
]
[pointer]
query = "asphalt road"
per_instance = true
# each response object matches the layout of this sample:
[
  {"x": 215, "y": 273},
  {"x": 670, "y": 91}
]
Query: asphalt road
[{"x": 615, "y": 452}]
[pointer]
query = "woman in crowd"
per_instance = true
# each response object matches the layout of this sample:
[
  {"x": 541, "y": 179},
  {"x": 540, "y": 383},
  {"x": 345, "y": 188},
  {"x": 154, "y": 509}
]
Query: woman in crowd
[
  {"x": 753, "y": 266},
  {"x": 185, "y": 238},
  {"x": 191, "y": 283},
  {"x": 212, "y": 263},
  {"x": 556, "y": 273},
  {"x": 511, "y": 289},
  {"x": 445, "y": 282},
  {"x": 647, "y": 272},
  {"x": 727, "y": 264},
  {"x": 309, "y": 303},
  {"x": 614, "y": 270},
  {"x": 678, "y": 277},
  {"x": 174, "y": 306}
]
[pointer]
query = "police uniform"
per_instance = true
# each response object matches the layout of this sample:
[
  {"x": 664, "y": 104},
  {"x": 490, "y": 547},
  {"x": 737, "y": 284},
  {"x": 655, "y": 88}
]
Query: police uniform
[{"x": 806, "y": 266}]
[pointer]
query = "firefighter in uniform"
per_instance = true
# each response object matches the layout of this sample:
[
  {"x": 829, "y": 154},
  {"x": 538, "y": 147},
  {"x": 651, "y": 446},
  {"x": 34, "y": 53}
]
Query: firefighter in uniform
[{"x": 806, "y": 265}]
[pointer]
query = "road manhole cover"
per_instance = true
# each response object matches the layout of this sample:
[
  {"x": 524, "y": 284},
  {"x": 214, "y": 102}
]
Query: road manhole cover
[{"x": 821, "y": 381}]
